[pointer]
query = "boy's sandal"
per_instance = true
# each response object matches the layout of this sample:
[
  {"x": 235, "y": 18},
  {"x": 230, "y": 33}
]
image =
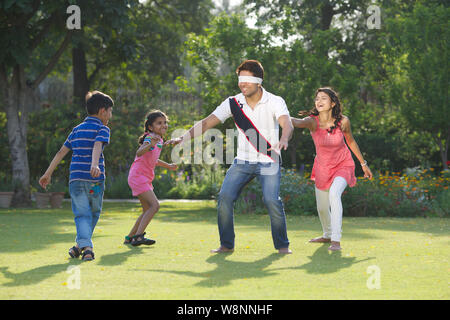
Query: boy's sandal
[
  {"x": 135, "y": 242},
  {"x": 74, "y": 252},
  {"x": 127, "y": 240},
  {"x": 88, "y": 252}
]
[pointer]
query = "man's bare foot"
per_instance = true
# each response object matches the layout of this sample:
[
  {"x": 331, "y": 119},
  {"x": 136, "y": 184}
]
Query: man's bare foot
[
  {"x": 320, "y": 240},
  {"x": 285, "y": 251},
  {"x": 335, "y": 246},
  {"x": 222, "y": 249}
]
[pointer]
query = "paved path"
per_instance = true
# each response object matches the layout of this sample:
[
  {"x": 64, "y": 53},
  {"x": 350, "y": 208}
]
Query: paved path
[{"x": 161, "y": 200}]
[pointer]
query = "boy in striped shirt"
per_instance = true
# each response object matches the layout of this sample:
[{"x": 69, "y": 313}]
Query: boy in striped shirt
[{"x": 87, "y": 170}]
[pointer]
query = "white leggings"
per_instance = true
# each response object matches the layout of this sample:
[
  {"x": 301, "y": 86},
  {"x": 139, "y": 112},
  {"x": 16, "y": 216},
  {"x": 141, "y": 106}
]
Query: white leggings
[{"x": 329, "y": 207}]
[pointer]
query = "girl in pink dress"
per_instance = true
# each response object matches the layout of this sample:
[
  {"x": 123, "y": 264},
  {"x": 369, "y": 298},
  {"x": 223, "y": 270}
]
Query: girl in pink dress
[
  {"x": 142, "y": 172},
  {"x": 334, "y": 167}
]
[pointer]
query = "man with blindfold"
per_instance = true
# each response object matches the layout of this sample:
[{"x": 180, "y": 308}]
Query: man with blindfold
[{"x": 257, "y": 115}]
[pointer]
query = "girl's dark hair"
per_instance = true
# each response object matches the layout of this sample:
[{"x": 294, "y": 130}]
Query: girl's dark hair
[
  {"x": 254, "y": 66},
  {"x": 336, "y": 112},
  {"x": 150, "y": 118},
  {"x": 97, "y": 100}
]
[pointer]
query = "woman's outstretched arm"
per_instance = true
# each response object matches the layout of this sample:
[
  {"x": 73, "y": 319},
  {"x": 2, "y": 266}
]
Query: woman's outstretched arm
[{"x": 307, "y": 122}]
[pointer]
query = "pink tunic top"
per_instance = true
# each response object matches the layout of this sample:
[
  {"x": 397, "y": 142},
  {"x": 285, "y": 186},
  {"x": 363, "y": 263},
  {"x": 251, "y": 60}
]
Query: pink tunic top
[
  {"x": 142, "y": 170},
  {"x": 333, "y": 158}
]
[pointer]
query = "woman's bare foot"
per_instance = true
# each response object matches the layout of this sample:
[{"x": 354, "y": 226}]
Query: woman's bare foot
[
  {"x": 285, "y": 251},
  {"x": 335, "y": 246}
]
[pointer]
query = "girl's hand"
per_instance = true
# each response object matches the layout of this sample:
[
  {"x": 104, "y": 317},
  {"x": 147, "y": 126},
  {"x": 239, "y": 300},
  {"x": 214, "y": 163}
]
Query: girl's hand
[
  {"x": 367, "y": 172},
  {"x": 45, "y": 180},
  {"x": 172, "y": 167},
  {"x": 154, "y": 140}
]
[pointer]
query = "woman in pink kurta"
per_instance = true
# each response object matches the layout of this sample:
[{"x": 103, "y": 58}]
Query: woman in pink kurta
[
  {"x": 334, "y": 167},
  {"x": 333, "y": 158},
  {"x": 142, "y": 173}
]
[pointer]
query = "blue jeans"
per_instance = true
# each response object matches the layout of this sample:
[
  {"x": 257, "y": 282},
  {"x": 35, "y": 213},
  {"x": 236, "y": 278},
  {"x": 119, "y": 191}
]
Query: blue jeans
[
  {"x": 238, "y": 175},
  {"x": 87, "y": 198}
]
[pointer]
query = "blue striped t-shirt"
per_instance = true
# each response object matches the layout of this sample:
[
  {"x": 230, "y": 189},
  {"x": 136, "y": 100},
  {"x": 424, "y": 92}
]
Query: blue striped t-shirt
[{"x": 81, "y": 141}]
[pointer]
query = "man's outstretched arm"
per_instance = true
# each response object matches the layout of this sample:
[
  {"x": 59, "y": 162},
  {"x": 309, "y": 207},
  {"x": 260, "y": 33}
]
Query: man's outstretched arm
[
  {"x": 198, "y": 129},
  {"x": 286, "y": 135}
]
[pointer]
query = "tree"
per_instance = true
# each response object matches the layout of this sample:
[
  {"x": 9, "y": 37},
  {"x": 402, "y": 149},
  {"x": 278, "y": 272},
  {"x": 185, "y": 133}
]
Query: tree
[
  {"x": 33, "y": 37},
  {"x": 103, "y": 42},
  {"x": 419, "y": 54}
]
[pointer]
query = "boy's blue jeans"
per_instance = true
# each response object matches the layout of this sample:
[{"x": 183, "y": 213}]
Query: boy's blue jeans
[
  {"x": 238, "y": 175},
  {"x": 87, "y": 198}
]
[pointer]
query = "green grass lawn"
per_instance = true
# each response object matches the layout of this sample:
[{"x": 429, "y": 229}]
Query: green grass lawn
[{"x": 410, "y": 254}]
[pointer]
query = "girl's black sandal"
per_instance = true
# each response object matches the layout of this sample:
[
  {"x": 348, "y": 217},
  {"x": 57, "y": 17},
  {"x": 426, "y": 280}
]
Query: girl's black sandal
[
  {"x": 127, "y": 240},
  {"x": 135, "y": 242}
]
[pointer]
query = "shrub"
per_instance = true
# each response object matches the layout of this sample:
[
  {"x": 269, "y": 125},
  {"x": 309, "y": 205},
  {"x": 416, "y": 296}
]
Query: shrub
[
  {"x": 116, "y": 187},
  {"x": 197, "y": 182},
  {"x": 418, "y": 192}
]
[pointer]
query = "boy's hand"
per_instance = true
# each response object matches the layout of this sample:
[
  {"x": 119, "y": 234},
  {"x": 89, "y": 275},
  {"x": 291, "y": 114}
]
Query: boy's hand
[
  {"x": 95, "y": 171},
  {"x": 172, "y": 167},
  {"x": 45, "y": 180}
]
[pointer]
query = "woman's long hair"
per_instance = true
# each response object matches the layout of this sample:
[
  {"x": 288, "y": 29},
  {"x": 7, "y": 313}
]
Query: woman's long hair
[
  {"x": 150, "y": 118},
  {"x": 336, "y": 112}
]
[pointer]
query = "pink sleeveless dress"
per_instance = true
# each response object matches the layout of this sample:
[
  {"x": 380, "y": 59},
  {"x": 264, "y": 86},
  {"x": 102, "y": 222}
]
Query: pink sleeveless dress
[
  {"x": 142, "y": 170},
  {"x": 333, "y": 158}
]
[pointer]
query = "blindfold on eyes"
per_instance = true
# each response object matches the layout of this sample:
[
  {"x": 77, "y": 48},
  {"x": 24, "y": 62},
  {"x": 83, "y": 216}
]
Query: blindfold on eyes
[{"x": 250, "y": 79}]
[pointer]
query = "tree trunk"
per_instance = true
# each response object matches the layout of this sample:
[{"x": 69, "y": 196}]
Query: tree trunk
[
  {"x": 443, "y": 149},
  {"x": 79, "y": 67},
  {"x": 327, "y": 13},
  {"x": 16, "y": 99}
]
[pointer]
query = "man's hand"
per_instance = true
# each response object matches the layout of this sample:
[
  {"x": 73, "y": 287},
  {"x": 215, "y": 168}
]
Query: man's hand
[
  {"x": 282, "y": 144},
  {"x": 173, "y": 141}
]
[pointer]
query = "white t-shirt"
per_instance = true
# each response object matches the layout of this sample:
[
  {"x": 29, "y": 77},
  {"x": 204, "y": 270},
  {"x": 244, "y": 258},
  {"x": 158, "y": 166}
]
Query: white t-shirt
[{"x": 265, "y": 118}]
